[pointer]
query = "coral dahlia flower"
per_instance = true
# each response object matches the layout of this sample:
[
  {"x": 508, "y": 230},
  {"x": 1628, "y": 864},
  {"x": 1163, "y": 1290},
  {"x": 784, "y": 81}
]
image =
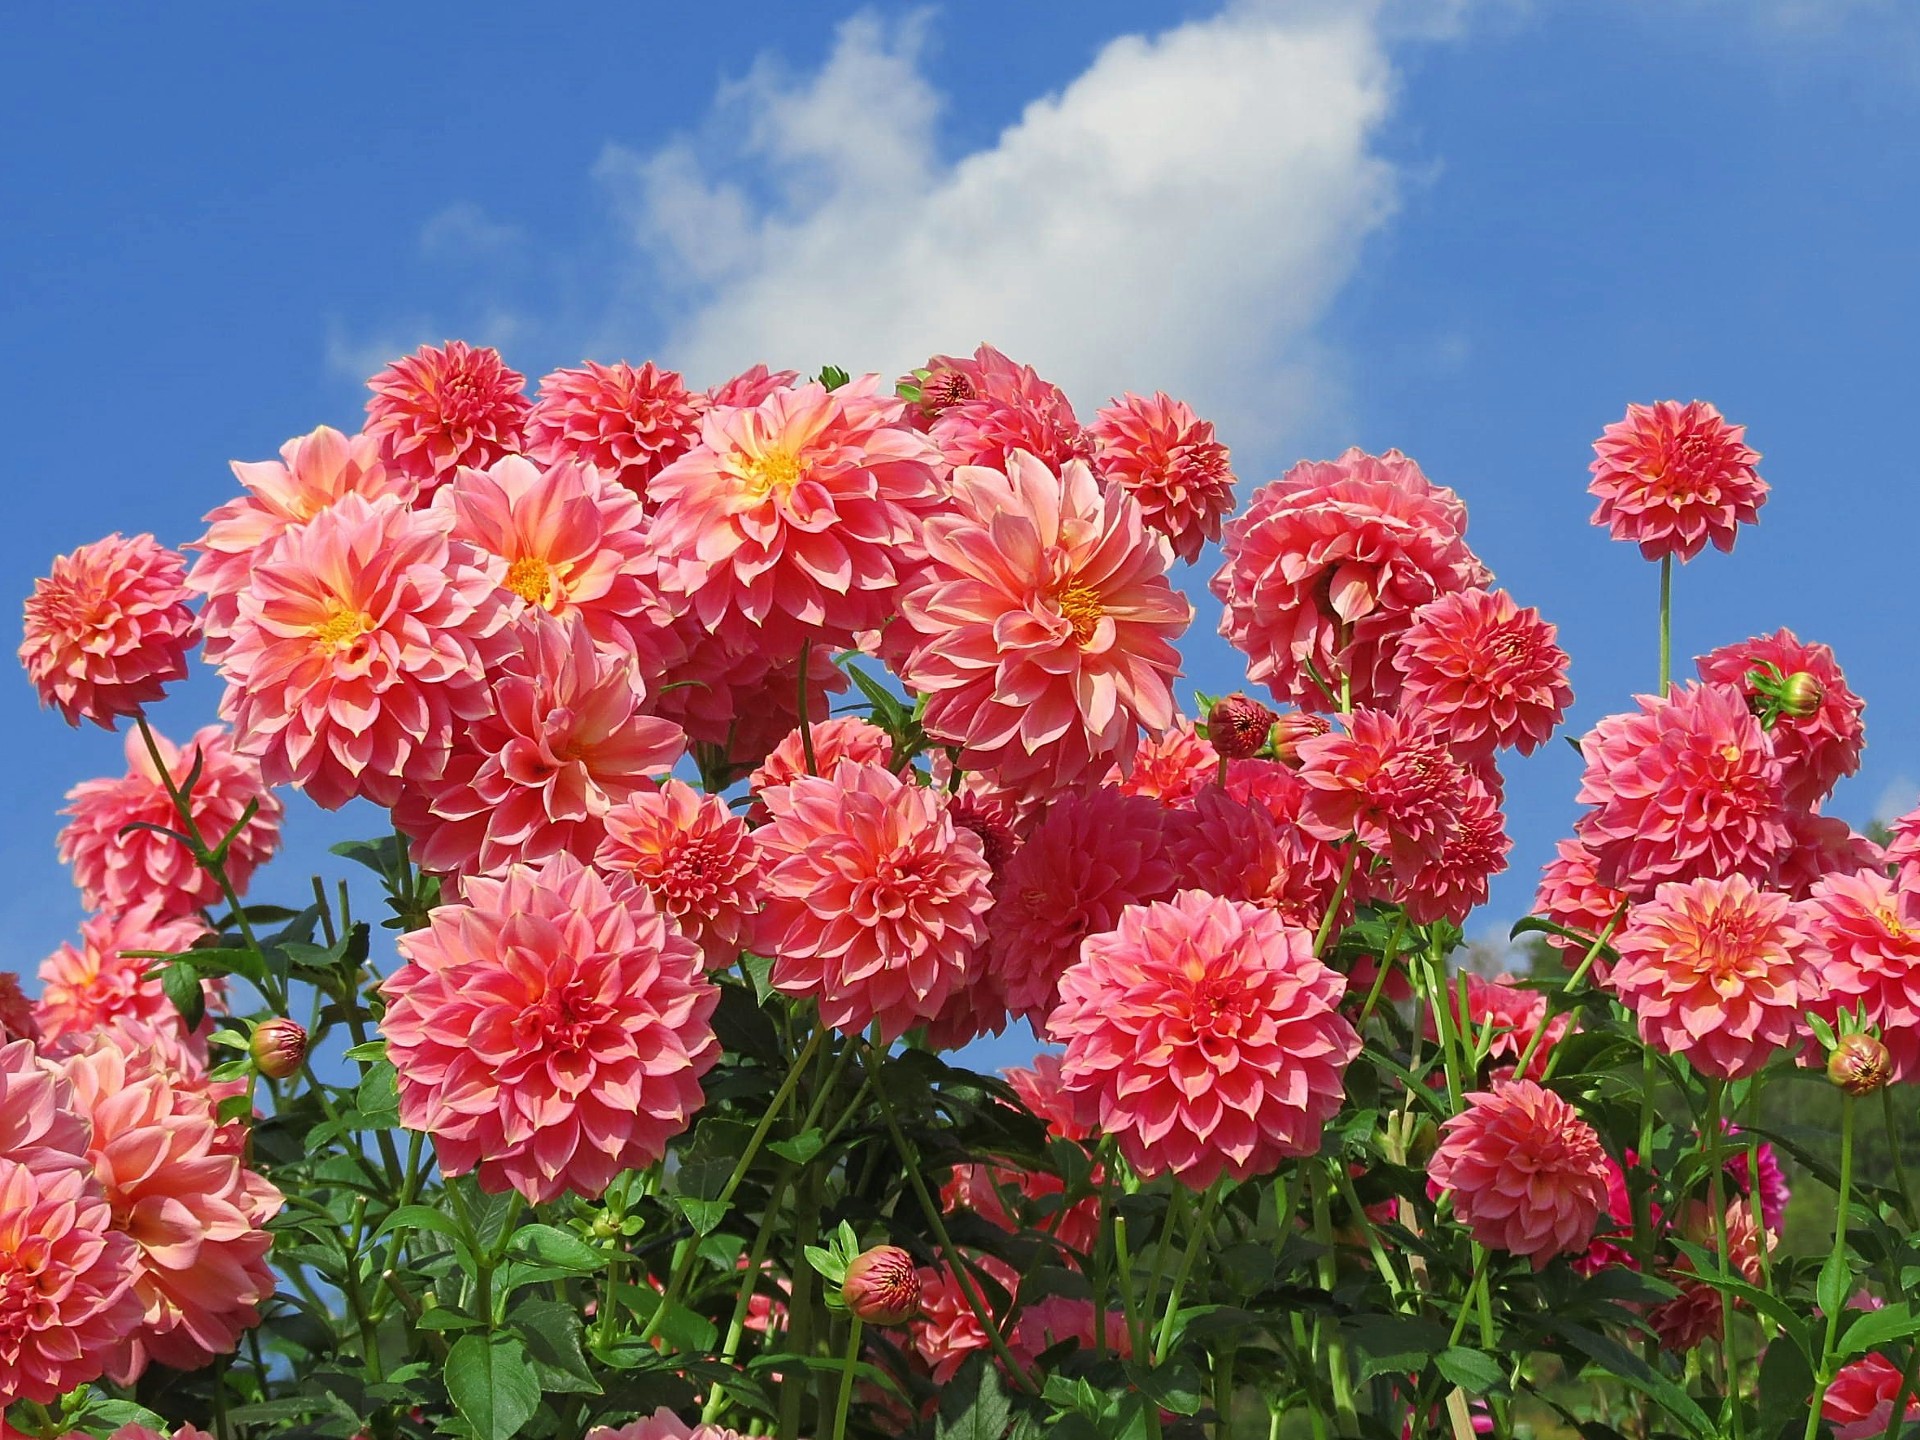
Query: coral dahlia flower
[
  {"x": 948, "y": 1330},
  {"x": 549, "y": 1033},
  {"x": 1326, "y": 566},
  {"x": 1044, "y": 625},
  {"x": 1171, "y": 767},
  {"x": 117, "y": 868},
  {"x": 695, "y": 857},
  {"x": 1516, "y": 1016},
  {"x": 109, "y": 629},
  {"x": 312, "y": 472},
  {"x": 1204, "y": 1036},
  {"x": 1682, "y": 787},
  {"x": 1239, "y": 850},
  {"x": 436, "y": 410},
  {"x": 629, "y": 424},
  {"x": 1865, "y": 934},
  {"x": 39, "y": 1125},
  {"x": 1527, "y": 1174},
  {"x": 1486, "y": 671},
  {"x": 1571, "y": 895},
  {"x": 749, "y": 388},
  {"x": 874, "y": 898},
  {"x": 1042, "y": 1091},
  {"x": 982, "y": 409},
  {"x": 1699, "y": 1313},
  {"x": 1824, "y": 845},
  {"x": 94, "y": 983},
  {"x": 742, "y": 701},
  {"x": 356, "y": 651},
  {"x": 845, "y": 737},
  {"x": 1670, "y": 478},
  {"x": 1473, "y": 849},
  {"x": 1167, "y": 458},
  {"x": 1389, "y": 781},
  {"x": 1817, "y": 749}
]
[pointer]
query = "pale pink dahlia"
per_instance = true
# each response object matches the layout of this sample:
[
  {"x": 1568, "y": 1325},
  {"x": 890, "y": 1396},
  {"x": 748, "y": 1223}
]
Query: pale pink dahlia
[
  {"x": 1239, "y": 850},
  {"x": 312, "y": 472},
  {"x": 436, "y": 410},
  {"x": 39, "y": 1124},
  {"x": 91, "y": 984},
  {"x": 548, "y": 1032},
  {"x": 1718, "y": 971},
  {"x": 749, "y": 388},
  {"x": 1387, "y": 780},
  {"x": 1171, "y": 767},
  {"x": 117, "y": 868},
  {"x": 1486, "y": 671},
  {"x": 1824, "y": 845},
  {"x": 109, "y": 629},
  {"x": 1204, "y": 1036},
  {"x": 1672, "y": 477},
  {"x": 1090, "y": 857},
  {"x": 1903, "y": 849},
  {"x": 1683, "y": 787},
  {"x": 356, "y": 651},
  {"x": 695, "y": 857},
  {"x": 197, "y": 1214},
  {"x": 1044, "y": 625},
  {"x": 1572, "y": 896},
  {"x": 1327, "y": 565},
  {"x": 1527, "y": 1174},
  {"x": 561, "y": 743},
  {"x": 874, "y": 898},
  {"x": 1473, "y": 849},
  {"x": 1167, "y": 458},
  {"x": 1865, "y": 934},
  {"x": 1817, "y": 749},
  {"x": 627, "y": 423},
  {"x": 797, "y": 517},
  {"x": 1859, "y": 1401},
  {"x": 982, "y": 409}
]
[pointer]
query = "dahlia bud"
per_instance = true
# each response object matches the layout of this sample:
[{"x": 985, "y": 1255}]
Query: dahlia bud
[
  {"x": 1293, "y": 727},
  {"x": 882, "y": 1286},
  {"x": 1800, "y": 694},
  {"x": 278, "y": 1048},
  {"x": 1237, "y": 727},
  {"x": 1859, "y": 1064}
]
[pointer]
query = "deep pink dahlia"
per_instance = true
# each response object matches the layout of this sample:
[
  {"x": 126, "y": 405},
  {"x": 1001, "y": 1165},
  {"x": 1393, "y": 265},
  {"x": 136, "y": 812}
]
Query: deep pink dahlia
[
  {"x": 1166, "y": 457},
  {"x": 91, "y": 984},
  {"x": 549, "y": 1033},
  {"x": 749, "y": 388},
  {"x": 730, "y": 694},
  {"x": 1239, "y": 850},
  {"x": 695, "y": 857},
  {"x": 1387, "y": 780},
  {"x": 1473, "y": 849},
  {"x": 1859, "y": 1401},
  {"x": 1816, "y": 749},
  {"x": 1824, "y": 845},
  {"x": 948, "y": 1330},
  {"x": 629, "y": 424},
  {"x": 1042, "y": 1091},
  {"x": 1486, "y": 671},
  {"x": 1865, "y": 934},
  {"x": 1672, "y": 477},
  {"x": 436, "y": 410},
  {"x": 1511, "y": 1017}
]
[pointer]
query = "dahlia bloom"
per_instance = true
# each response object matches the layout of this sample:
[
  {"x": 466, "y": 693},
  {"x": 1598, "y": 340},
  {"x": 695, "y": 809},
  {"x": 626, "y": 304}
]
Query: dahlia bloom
[
  {"x": 197, "y": 1214},
  {"x": 356, "y": 651},
  {"x": 1237, "y": 849},
  {"x": 109, "y": 629},
  {"x": 549, "y": 1033},
  {"x": 1204, "y": 1036},
  {"x": 881, "y": 1286},
  {"x": 1042, "y": 1091},
  {"x": 1718, "y": 971},
  {"x": 1171, "y": 767},
  {"x": 1516, "y": 1016},
  {"x": 118, "y": 869},
  {"x": 312, "y": 472},
  {"x": 948, "y": 1331},
  {"x": 663, "y": 1424},
  {"x": 16, "y": 1011},
  {"x": 1572, "y": 896},
  {"x": 1240, "y": 728},
  {"x": 1817, "y": 750},
  {"x": 1387, "y": 780},
  {"x": 92, "y": 984},
  {"x": 983, "y": 409},
  {"x": 1326, "y": 566},
  {"x": 560, "y": 745},
  {"x": 1013, "y": 1199},
  {"x": 1672, "y": 477},
  {"x": 1167, "y": 458},
  {"x": 1698, "y": 1314},
  {"x": 1043, "y": 625},
  {"x": 749, "y": 388},
  {"x": 1091, "y": 855},
  {"x": 1859, "y": 1401},
  {"x": 1772, "y": 1192},
  {"x": 796, "y": 518},
  {"x": 629, "y": 424},
  {"x": 874, "y": 897},
  {"x": 1473, "y": 849},
  {"x": 1052, "y": 1320},
  {"x": 1527, "y": 1174},
  {"x": 844, "y": 737},
  {"x": 739, "y": 699},
  {"x": 695, "y": 857},
  {"x": 1682, "y": 787},
  {"x": 1485, "y": 671},
  {"x": 1865, "y": 934},
  {"x": 39, "y": 1126},
  {"x": 1824, "y": 845},
  {"x": 436, "y": 410}
]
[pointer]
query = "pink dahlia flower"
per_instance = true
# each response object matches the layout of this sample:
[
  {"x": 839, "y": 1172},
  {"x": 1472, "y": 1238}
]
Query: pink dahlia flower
[
  {"x": 1091, "y": 856},
  {"x": 797, "y": 517},
  {"x": 1326, "y": 566},
  {"x": 1859, "y": 1402},
  {"x": 1903, "y": 849},
  {"x": 1515, "y": 1016},
  {"x": 1166, "y": 457},
  {"x": 1774, "y": 1192},
  {"x": 1473, "y": 849},
  {"x": 1865, "y": 934},
  {"x": 1817, "y": 749},
  {"x": 663, "y": 1424},
  {"x": 1013, "y": 1199},
  {"x": 629, "y": 424},
  {"x": 94, "y": 983},
  {"x": 1044, "y": 625},
  {"x": 356, "y": 651},
  {"x": 732, "y": 696},
  {"x": 39, "y": 1124},
  {"x": 1682, "y": 787},
  {"x": 312, "y": 472},
  {"x": 1487, "y": 672},
  {"x": 695, "y": 857},
  {"x": 1239, "y": 850},
  {"x": 1042, "y": 1090},
  {"x": 874, "y": 898},
  {"x": 16, "y": 1011},
  {"x": 561, "y": 744},
  {"x": 845, "y": 737},
  {"x": 1389, "y": 781},
  {"x": 1055, "y": 1319},
  {"x": 948, "y": 1331},
  {"x": 436, "y": 410},
  {"x": 983, "y": 409},
  {"x": 1672, "y": 477},
  {"x": 1204, "y": 1036},
  {"x": 117, "y": 868},
  {"x": 749, "y": 388},
  {"x": 548, "y": 1032},
  {"x": 197, "y": 1214},
  {"x": 1572, "y": 896},
  {"x": 109, "y": 629},
  {"x": 1718, "y": 971},
  {"x": 1698, "y": 1314},
  {"x": 1171, "y": 767},
  {"x": 1527, "y": 1174},
  {"x": 1824, "y": 845}
]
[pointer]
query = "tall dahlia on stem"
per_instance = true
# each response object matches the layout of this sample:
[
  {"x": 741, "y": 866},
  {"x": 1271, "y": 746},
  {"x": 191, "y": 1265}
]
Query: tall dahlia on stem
[
  {"x": 1488, "y": 672},
  {"x": 983, "y": 409},
  {"x": 1818, "y": 741},
  {"x": 1672, "y": 478},
  {"x": 1387, "y": 780},
  {"x": 1167, "y": 458},
  {"x": 438, "y": 409},
  {"x": 627, "y": 423}
]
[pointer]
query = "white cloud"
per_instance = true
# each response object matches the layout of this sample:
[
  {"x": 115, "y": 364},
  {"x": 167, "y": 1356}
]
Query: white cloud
[
  {"x": 465, "y": 231},
  {"x": 1179, "y": 216}
]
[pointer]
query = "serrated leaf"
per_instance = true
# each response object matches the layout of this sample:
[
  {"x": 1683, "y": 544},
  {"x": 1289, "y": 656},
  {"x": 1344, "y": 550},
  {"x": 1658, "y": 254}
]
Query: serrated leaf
[
  {"x": 551, "y": 1332},
  {"x": 181, "y": 982},
  {"x": 973, "y": 1405},
  {"x": 491, "y": 1382}
]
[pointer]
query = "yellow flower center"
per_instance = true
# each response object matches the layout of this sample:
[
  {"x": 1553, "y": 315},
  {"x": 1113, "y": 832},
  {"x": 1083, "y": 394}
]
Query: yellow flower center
[
  {"x": 776, "y": 470},
  {"x": 531, "y": 578},
  {"x": 1080, "y": 605},
  {"x": 342, "y": 628}
]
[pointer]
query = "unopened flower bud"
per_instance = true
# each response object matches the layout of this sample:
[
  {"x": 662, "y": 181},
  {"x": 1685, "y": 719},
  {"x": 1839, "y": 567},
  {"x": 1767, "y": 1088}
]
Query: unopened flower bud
[
  {"x": 1237, "y": 727},
  {"x": 278, "y": 1048},
  {"x": 882, "y": 1286},
  {"x": 1859, "y": 1064},
  {"x": 1800, "y": 694},
  {"x": 1293, "y": 727}
]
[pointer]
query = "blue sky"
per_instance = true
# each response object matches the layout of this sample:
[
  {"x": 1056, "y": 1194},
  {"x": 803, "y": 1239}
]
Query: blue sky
[{"x": 1474, "y": 232}]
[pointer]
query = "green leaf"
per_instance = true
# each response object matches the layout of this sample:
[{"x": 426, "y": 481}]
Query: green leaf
[
  {"x": 1616, "y": 1359},
  {"x": 801, "y": 1148},
  {"x": 973, "y": 1405},
  {"x": 372, "y": 1050},
  {"x": 1395, "y": 1344},
  {"x": 1473, "y": 1371},
  {"x": 181, "y": 982},
  {"x": 1835, "y": 1284},
  {"x": 828, "y": 1264},
  {"x": 551, "y": 1331},
  {"x": 833, "y": 377},
  {"x": 704, "y": 1215},
  {"x": 551, "y": 1245},
  {"x": 1786, "y": 1389},
  {"x": 382, "y": 856},
  {"x": 1877, "y": 1328},
  {"x": 379, "y": 1098},
  {"x": 1174, "y": 1387},
  {"x": 492, "y": 1384},
  {"x": 124, "y": 1412}
]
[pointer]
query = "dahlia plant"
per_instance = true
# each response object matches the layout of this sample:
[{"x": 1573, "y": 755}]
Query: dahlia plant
[{"x": 749, "y": 752}]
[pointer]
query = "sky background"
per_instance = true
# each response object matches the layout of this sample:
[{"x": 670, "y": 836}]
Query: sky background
[{"x": 1473, "y": 231}]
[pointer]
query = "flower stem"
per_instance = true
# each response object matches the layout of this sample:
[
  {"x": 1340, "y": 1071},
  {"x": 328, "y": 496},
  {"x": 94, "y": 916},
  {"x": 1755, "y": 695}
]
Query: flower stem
[
  {"x": 846, "y": 1381},
  {"x": 1836, "y": 1258},
  {"x": 1717, "y": 1197},
  {"x": 1345, "y": 1415},
  {"x": 1202, "y": 1229},
  {"x": 1666, "y": 623},
  {"x": 1899, "y": 1161},
  {"x": 806, "y": 725}
]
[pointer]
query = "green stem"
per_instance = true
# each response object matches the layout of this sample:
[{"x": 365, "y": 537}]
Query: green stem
[
  {"x": 743, "y": 1299},
  {"x": 1202, "y": 1230},
  {"x": 1223, "y": 1388},
  {"x": 1480, "y": 1257},
  {"x": 1836, "y": 1258},
  {"x": 1328, "y": 920},
  {"x": 846, "y": 1381},
  {"x": 1666, "y": 623},
  {"x": 806, "y": 725},
  {"x": 1375, "y": 1247},
  {"x": 1899, "y": 1161},
  {"x": 806, "y": 1227},
  {"x": 1555, "y": 1002},
  {"x": 1717, "y": 1197},
  {"x": 1329, "y": 1268}
]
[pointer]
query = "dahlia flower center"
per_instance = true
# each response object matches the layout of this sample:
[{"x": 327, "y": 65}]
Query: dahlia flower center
[
  {"x": 464, "y": 399},
  {"x": 564, "y": 1018},
  {"x": 531, "y": 578},
  {"x": 776, "y": 470},
  {"x": 1727, "y": 947},
  {"x": 1081, "y": 608},
  {"x": 1215, "y": 1003},
  {"x": 342, "y": 628},
  {"x": 945, "y": 389}
]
